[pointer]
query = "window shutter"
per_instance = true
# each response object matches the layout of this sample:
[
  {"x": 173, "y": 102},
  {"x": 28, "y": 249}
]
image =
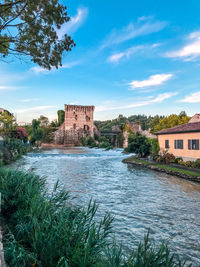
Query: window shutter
[
  {"x": 197, "y": 144},
  {"x": 189, "y": 144},
  {"x": 175, "y": 144}
]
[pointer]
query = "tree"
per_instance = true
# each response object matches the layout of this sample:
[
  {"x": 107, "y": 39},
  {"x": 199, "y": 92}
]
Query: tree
[
  {"x": 36, "y": 132},
  {"x": 138, "y": 144},
  {"x": 171, "y": 121},
  {"x": 61, "y": 116},
  {"x": 30, "y": 28},
  {"x": 44, "y": 121},
  {"x": 7, "y": 122},
  {"x": 182, "y": 114},
  {"x": 155, "y": 121}
]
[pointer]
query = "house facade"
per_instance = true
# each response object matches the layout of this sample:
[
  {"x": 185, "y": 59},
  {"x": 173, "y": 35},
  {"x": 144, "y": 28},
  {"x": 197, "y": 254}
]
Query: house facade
[{"x": 183, "y": 140}]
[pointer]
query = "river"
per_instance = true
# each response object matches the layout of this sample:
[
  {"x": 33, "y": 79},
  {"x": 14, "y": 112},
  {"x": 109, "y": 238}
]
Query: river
[{"x": 138, "y": 198}]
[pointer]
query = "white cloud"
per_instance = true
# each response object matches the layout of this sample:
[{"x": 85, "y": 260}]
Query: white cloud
[
  {"x": 142, "y": 27},
  {"x": 40, "y": 70},
  {"x": 2, "y": 88},
  {"x": 36, "y": 109},
  {"x": 159, "y": 99},
  {"x": 190, "y": 51},
  {"x": 74, "y": 23},
  {"x": 29, "y": 100},
  {"x": 115, "y": 58},
  {"x": 127, "y": 53},
  {"x": 193, "y": 98},
  {"x": 153, "y": 80}
]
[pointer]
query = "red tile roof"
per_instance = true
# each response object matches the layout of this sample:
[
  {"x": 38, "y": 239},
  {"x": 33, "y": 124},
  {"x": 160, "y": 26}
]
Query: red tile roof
[{"x": 184, "y": 128}]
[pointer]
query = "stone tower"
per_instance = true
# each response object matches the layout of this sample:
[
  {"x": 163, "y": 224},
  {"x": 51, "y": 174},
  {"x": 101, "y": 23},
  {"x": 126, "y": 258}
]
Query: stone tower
[{"x": 78, "y": 123}]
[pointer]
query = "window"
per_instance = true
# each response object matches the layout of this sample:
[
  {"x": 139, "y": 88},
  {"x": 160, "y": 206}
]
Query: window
[
  {"x": 178, "y": 144},
  {"x": 76, "y": 117},
  {"x": 193, "y": 144},
  {"x": 87, "y": 118},
  {"x": 166, "y": 143},
  {"x": 86, "y": 128}
]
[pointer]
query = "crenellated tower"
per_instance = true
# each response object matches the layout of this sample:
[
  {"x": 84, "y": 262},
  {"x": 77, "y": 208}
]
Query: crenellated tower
[{"x": 79, "y": 122}]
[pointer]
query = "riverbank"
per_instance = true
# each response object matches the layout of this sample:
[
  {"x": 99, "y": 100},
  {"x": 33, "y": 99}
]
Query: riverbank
[{"x": 184, "y": 173}]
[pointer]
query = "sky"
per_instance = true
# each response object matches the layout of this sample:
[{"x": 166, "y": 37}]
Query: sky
[{"x": 131, "y": 57}]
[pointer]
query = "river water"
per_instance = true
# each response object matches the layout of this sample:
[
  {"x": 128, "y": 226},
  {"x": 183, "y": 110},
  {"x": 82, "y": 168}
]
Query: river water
[{"x": 139, "y": 199}]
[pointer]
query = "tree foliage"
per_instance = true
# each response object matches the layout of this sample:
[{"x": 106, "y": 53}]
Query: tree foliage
[
  {"x": 138, "y": 144},
  {"x": 61, "y": 116},
  {"x": 170, "y": 121},
  {"x": 7, "y": 122},
  {"x": 30, "y": 28},
  {"x": 44, "y": 121}
]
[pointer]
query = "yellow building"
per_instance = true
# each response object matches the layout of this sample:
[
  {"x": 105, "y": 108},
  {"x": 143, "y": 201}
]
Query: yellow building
[{"x": 183, "y": 140}]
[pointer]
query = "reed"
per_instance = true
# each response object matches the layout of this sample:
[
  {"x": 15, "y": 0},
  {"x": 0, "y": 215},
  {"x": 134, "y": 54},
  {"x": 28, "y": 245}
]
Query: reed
[{"x": 44, "y": 229}]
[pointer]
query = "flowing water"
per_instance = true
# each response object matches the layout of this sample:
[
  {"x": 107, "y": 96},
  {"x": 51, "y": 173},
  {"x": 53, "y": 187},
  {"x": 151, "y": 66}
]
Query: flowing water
[{"x": 138, "y": 198}]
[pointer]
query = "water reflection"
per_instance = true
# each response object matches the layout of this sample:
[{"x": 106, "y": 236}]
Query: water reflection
[{"x": 138, "y": 198}]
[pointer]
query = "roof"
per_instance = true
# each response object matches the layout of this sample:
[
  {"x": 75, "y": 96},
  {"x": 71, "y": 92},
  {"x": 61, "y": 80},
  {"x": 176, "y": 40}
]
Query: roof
[{"x": 184, "y": 128}]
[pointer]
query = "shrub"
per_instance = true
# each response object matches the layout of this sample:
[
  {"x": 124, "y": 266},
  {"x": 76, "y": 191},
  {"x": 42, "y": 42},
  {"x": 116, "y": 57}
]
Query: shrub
[
  {"x": 169, "y": 158},
  {"x": 138, "y": 144},
  {"x": 166, "y": 158},
  {"x": 44, "y": 229},
  {"x": 159, "y": 159},
  {"x": 88, "y": 141},
  {"x": 196, "y": 164},
  {"x": 188, "y": 164},
  {"x": 155, "y": 148},
  {"x": 178, "y": 159},
  {"x": 12, "y": 149},
  {"x": 181, "y": 162}
]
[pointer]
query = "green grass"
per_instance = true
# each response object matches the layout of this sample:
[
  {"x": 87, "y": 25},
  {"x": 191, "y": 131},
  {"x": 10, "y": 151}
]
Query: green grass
[
  {"x": 165, "y": 167},
  {"x": 43, "y": 229}
]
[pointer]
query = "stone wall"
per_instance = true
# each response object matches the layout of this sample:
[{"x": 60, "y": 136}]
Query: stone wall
[{"x": 78, "y": 123}]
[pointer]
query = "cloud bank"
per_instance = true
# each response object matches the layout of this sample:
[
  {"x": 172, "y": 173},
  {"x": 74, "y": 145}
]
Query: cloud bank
[{"x": 153, "y": 80}]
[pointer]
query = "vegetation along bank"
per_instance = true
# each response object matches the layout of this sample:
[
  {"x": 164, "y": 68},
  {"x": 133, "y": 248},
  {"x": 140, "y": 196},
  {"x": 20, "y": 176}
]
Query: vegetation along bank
[{"x": 44, "y": 229}]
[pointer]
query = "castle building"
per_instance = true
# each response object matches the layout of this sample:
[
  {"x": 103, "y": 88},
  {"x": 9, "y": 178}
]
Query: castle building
[{"x": 77, "y": 124}]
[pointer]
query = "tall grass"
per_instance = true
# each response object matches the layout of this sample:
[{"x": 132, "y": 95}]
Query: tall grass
[{"x": 42, "y": 229}]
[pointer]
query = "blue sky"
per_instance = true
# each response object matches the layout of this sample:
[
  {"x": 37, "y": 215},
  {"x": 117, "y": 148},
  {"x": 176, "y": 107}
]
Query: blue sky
[{"x": 131, "y": 57}]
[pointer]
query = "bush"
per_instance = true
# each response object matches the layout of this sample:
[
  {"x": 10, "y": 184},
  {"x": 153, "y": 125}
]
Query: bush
[
  {"x": 189, "y": 164},
  {"x": 88, "y": 141},
  {"x": 178, "y": 159},
  {"x": 12, "y": 149},
  {"x": 166, "y": 158},
  {"x": 196, "y": 164},
  {"x": 138, "y": 144},
  {"x": 155, "y": 148},
  {"x": 44, "y": 229}
]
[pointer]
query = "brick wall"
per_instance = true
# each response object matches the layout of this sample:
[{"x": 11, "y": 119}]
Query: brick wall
[{"x": 78, "y": 122}]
